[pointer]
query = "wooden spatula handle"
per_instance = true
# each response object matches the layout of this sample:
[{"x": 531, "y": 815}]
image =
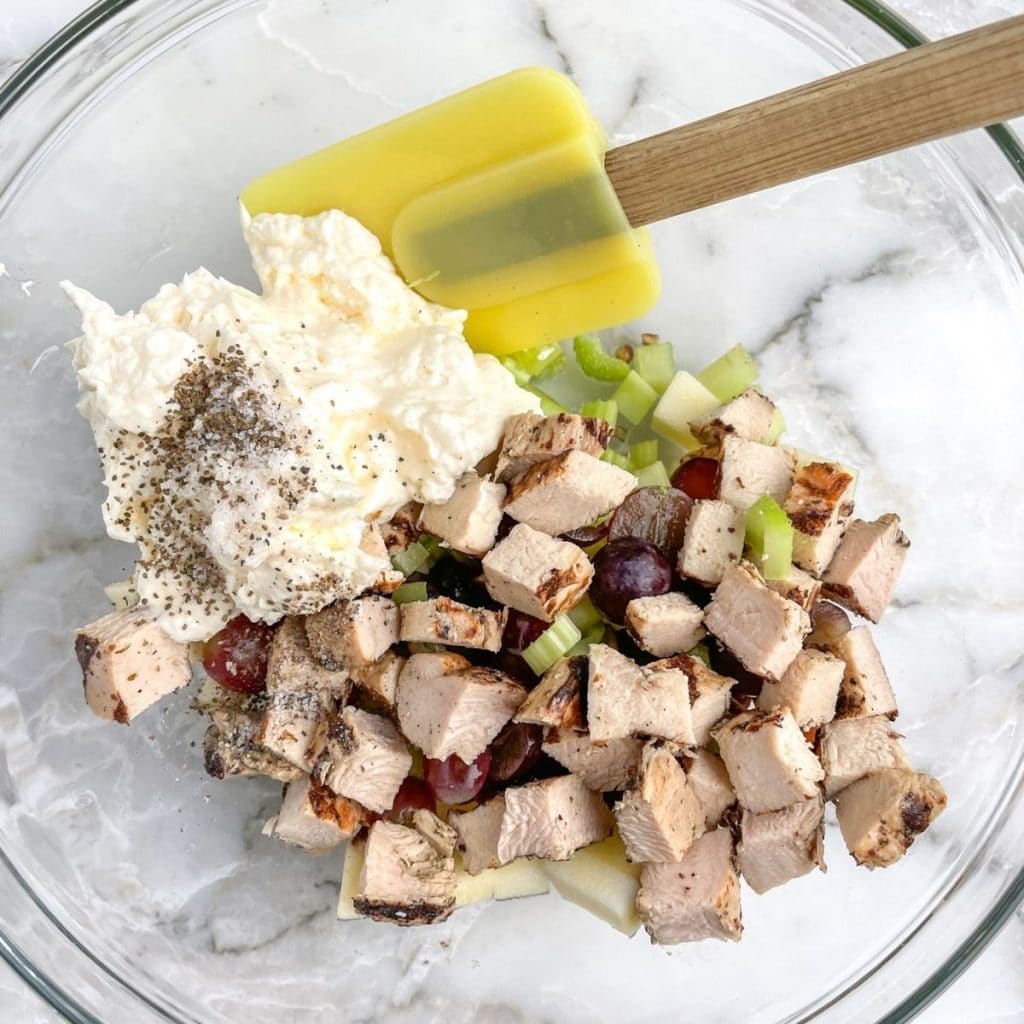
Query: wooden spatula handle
[{"x": 938, "y": 89}]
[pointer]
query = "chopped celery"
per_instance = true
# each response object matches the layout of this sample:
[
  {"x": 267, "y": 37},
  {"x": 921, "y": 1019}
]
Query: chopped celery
[
  {"x": 602, "y": 410},
  {"x": 769, "y": 535},
  {"x": 586, "y": 616},
  {"x": 654, "y": 475},
  {"x": 535, "y": 363},
  {"x": 416, "y": 647},
  {"x": 595, "y": 362},
  {"x": 684, "y": 400},
  {"x": 521, "y": 375},
  {"x": 561, "y": 636},
  {"x": 409, "y": 593},
  {"x": 411, "y": 559},
  {"x": 592, "y": 636},
  {"x": 434, "y": 551},
  {"x": 702, "y": 653},
  {"x": 548, "y": 405},
  {"x": 635, "y": 397},
  {"x": 730, "y": 374},
  {"x": 777, "y": 428},
  {"x": 643, "y": 453},
  {"x": 656, "y": 364},
  {"x": 616, "y": 459}
]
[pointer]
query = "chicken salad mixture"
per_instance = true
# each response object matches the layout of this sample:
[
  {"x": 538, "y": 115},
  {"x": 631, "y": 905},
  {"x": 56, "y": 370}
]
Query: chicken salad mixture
[{"x": 619, "y": 645}]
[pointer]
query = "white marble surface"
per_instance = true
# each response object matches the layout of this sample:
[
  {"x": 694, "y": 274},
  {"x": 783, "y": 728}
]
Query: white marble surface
[{"x": 991, "y": 989}]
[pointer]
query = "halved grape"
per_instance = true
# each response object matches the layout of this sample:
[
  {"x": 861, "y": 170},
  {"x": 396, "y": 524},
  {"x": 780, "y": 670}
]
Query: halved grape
[
  {"x": 626, "y": 568},
  {"x": 236, "y": 657},
  {"x": 656, "y": 515},
  {"x": 514, "y": 751},
  {"x": 455, "y": 782},
  {"x": 698, "y": 477},
  {"x": 585, "y": 536},
  {"x": 412, "y": 795},
  {"x": 828, "y": 623}
]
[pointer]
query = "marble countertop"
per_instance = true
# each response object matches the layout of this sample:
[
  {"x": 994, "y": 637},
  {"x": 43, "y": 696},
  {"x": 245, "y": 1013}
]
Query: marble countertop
[{"x": 991, "y": 990}]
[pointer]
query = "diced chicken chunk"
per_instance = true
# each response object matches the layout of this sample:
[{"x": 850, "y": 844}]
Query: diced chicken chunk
[
  {"x": 779, "y": 846},
  {"x": 348, "y": 634},
  {"x": 230, "y": 748},
  {"x": 403, "y": 528},
  {"x": 819, "y": 506},
  {"x": 444, "y": 621},
  {"x": 292, "y": 727},
  {"x": 863, "y": 572},
  {"x": 315, "y": 822},
  {"x": 128, "y": 663},
  {"x": 659, "y": 816},
  {"x": 761, "y": 628},
  {"x": 854, "y": 747},
  {"x": 665, "y": 624},
  {"x": 478, "y": 832},
  {"x": 799, "y": 587},
  {"x": 769, "y": 762},
  {"x": 551, "y": 819},
  {"x": 712, "y": 541},
  {"x": 624, "y": 699},
  {"x": 696, "y": 898},
  {"x": 567, "y": 492},
  {"x": 418, "y": 668},
  {"x": 468, "y": 521},
  {"x": 882, "y": 814},
  {"x": 866, "y": 689},
  {"x": 530, "y": 439},
  {"x": 536, "y": 574},
  {"x": 709, "y": 696},
  {"x": 751, "y": 470},
  {"x": 379, "y": 681},
  {"x": 557, "y": 700},
  {"x": 748, "y": 416},
  {"x": 292, "y": 668},
  {"x": 408, "y": 875},
  {"x": 602, "y": 767},
  {"x": 365, "y": 759},
  {"x": 372, "y": 544},
  {"x": 708, "y": 778},
  {"x": 809, "y": 688},
  {"x": 459, "y": 713}
]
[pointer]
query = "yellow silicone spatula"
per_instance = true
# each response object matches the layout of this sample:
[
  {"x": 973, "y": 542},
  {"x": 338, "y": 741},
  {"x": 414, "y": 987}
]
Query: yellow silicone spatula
[{"x": 505, "y": 200}]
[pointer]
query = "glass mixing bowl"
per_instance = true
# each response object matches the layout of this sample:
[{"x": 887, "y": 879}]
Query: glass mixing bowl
[{"x": 883, "y": 303}]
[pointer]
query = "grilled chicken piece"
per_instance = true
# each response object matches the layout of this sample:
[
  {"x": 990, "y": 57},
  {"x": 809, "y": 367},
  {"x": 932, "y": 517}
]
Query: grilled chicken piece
[
  {"x": 408, "y": 875},
  {"x": 624, "y": 699},
  {"x": 779, "y": 846},
  {"x": 819, "y": 506},
  {"x": 292, "y": 668},
  {"x": 365, "y": 759},
  {"x": 567, "y": 492},
  {"x": 659, "y": 816},
  {"x": 769, "y": 762},
  {"x": 403, "y": 528},
  {"x": 854, "y": 747},
  {"x": 459, "y": 713},
  {"x": 799, "y": 587},
  {"x": 551, "y": 819},
  {"x": 293, "y": 726},
  {"x": 708, "y": 693},
  {"x": 602, "y": 767},
  {"x": 810, "y": 688},
  {"x": 444, "y": 621},
  {"x": 536, "y": 574},
  {"x": 478, "y": 831},
  {"x": 418, "y": 668},
  {"x": 865, "y": 568},
  {"x": 882, "y": 814},
  {"x": 372, "y": 544},
  {"x": 530, "y": 439},
  {"x": 128, "y": 663},
  {"x": 379, "y": 682},
  {"x": 748, "y": 416},
  {"x": 696, "y": 898},
  {"x": 348, "y": 634},
  {"x": 828, "y": 623},
  {"x": 468, "y": 521},
  {"x": 712, "y": 541},
  {"x": 665, "y": 624},
  {"x": 557, "y": 700},
  {"x": 751, "y": 470},
  {"x": 866, "y": 690},
  {"x": 230, "y": 748},
  {"x": 762, "y": 629},
  {"x": 315, "y": 822},
  {"x": 709, "y": 780}
]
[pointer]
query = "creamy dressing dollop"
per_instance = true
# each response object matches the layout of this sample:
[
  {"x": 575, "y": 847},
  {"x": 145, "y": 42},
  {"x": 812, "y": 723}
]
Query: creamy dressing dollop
[{"x": 248, "y": 441}]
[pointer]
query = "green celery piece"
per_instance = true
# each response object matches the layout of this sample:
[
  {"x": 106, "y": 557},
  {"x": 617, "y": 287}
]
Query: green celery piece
[
  {"x": 543, "y": 363},
  {"x": 521, "y": 375},
  {"x": 643, "y": 453},
  {"x": 592, "y": 636},
  {"x": 769, "y": 535},
  {"x": 635, "y": 397},
  {"x": 777, "y": 428},
  {"x": 586, "y": 616},
  {"x": 684, "y": 400},
  {"x": 654, "y": 475},
  {"x": 409, "y": 593},
  {"x": 730, "y": 374},
  {"x": 616, "y": 459},
  {"x": 548, "y": 405},
  {"x": 595, "y": 362},
  {"x": 656, "y": 364},
  {"x": 606, "y": 409},
  {"x": 559, "y": 638},
  {"x": 416, "y": 647},
  {"x": 702, "y": 653},
  {"x": 411, "y": 559}
]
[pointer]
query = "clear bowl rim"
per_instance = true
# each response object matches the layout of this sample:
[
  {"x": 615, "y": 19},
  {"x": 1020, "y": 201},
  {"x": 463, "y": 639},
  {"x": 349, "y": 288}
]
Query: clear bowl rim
[{"x": 901, "y": 31}]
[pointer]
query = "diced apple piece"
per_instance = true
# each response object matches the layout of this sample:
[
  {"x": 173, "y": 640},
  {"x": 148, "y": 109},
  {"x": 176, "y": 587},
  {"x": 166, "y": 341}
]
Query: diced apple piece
[
  {"x": 355, "y": 857},
  {"x": 684, "y": 400},
  {"x": 522, "y": 877}
]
